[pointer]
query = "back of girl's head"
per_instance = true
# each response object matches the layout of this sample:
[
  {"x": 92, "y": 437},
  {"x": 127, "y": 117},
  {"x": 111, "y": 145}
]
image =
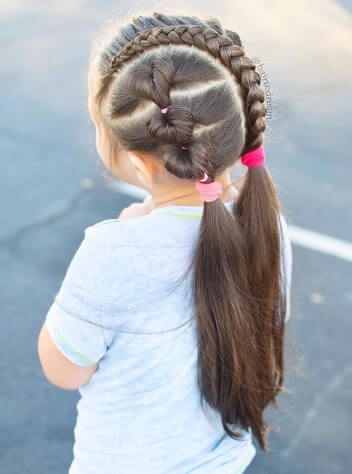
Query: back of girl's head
[{"x": 216, "y": 114}]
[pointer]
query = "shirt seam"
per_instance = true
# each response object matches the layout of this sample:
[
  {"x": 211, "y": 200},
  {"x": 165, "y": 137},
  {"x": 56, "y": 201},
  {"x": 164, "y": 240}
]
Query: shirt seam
[{"x": 71, "y": 313}]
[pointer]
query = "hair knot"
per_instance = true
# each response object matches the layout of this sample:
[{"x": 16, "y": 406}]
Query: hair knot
[{"x": 174, "y": 125}]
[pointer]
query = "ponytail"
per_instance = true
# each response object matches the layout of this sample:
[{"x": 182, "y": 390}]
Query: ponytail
[{"x": 236, "y": 291}]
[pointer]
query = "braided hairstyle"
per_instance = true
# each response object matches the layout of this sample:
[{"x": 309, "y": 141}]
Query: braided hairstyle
[{"x": 216, "y": 113}]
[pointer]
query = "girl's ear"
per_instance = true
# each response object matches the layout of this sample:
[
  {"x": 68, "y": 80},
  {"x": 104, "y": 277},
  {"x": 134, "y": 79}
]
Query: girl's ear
[{"x": 143, "y": 171}]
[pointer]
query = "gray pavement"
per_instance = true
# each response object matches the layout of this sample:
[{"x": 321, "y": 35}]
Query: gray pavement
[{"x": 53, "y": 186}]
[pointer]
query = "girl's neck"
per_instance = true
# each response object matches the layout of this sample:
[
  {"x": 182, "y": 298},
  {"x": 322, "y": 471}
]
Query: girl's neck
[{"x": 189, "y": 196}]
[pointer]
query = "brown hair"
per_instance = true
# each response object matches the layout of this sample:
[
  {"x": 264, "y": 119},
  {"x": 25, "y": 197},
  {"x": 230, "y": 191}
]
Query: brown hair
[{"x": 217, "y": 109}]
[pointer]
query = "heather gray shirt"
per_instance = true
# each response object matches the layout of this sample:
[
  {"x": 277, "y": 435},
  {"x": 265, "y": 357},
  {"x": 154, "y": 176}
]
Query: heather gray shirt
[{"x": 140, "y": 413}]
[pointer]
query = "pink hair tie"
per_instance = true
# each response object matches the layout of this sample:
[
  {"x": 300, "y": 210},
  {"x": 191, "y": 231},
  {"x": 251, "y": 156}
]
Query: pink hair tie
[
  {"x": 209, "y": 191},
  {"x": 254, "y": 158}
]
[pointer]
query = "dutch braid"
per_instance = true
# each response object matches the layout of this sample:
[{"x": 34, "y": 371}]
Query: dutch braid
[{"x": 227, "y": 48}]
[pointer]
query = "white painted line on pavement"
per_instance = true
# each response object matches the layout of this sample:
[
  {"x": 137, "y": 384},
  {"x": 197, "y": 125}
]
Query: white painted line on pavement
[
  {"x": 299, "y": 236},
  {"x": 320, "y": 242}
]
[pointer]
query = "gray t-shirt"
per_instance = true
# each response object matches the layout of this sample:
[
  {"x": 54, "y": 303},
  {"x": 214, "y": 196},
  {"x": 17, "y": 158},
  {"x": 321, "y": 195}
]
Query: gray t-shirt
[{"x": 119, "y": 304}]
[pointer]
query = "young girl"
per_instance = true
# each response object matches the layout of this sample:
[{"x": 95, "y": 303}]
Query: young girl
[{"x": 170, "y": 320}]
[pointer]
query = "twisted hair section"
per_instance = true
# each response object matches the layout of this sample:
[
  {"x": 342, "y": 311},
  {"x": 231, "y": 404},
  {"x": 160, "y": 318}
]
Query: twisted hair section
[
  {"x": 215, "y": 113},
  {"x": 204, "y": 108}
]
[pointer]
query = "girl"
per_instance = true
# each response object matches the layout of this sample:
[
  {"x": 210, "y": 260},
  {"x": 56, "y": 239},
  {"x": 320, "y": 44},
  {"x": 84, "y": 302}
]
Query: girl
[{"x": 170, "y": 320}]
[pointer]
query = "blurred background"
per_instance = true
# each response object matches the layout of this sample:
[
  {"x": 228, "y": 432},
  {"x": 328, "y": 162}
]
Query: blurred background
[{"x": 53, "y": 186}]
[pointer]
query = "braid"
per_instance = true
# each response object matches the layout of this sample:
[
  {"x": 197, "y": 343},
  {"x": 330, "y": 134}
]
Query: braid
[{"x": 227, "y": 48}]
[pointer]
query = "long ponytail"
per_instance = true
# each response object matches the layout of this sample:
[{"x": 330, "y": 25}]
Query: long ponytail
[{"x": 239, "y": 305}]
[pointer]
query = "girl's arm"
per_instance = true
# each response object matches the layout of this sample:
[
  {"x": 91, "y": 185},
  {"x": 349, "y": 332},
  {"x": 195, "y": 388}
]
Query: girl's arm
[
  {"x": 72, "y": 340},
  {"x": 59, "y": 370}
]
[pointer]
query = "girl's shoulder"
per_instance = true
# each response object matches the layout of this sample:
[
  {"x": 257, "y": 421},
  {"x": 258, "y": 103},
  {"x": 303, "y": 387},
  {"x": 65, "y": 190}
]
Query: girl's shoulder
[
  {"x": 136, "y": 231},
  {"x": 101, "y": 223}
]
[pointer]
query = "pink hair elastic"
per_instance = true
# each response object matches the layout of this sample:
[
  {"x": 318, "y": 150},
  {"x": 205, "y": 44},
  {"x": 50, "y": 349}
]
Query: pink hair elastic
[
  {"x": 209, "y": 191},
  {"x": 254, "y": 158}
]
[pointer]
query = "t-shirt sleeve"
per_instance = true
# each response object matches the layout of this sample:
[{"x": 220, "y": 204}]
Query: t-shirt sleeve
[
  {"x": 74, "y": 319},
  {"x": 286, "y": 264}
]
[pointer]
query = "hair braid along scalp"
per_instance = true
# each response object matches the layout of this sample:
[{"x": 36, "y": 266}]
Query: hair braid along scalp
[{"x": 230, "y": 53}]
